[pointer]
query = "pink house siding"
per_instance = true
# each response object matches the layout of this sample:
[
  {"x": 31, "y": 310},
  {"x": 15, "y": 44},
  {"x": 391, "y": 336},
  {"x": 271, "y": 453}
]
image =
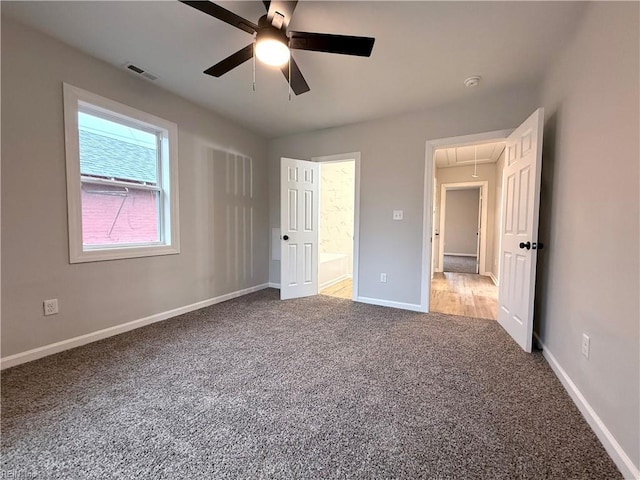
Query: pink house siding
[{"x": 136, "y": 222}]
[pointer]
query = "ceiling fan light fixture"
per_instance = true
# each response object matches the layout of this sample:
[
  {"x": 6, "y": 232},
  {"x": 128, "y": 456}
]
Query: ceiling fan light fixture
[
  {"x": 272, "y": 51},
  {"x": 272, "y": 44}
]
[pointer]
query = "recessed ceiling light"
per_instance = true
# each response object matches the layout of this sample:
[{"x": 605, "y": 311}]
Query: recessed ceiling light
[{"x": 472, "y": 81}]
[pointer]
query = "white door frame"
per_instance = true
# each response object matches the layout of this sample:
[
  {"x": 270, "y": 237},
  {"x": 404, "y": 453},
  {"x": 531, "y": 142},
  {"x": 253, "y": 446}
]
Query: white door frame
[
  {"x": 342, "y": 157},
  {"x": 427, "y": 220},
  {"x": 483, "y": 185}
]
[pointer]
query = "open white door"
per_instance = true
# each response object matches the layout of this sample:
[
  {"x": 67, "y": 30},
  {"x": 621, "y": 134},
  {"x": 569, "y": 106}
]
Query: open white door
[
  {"x": 519, "y": 229},
  {"x": 299, "y": 188},
  {"x": 479, "y": 231}
]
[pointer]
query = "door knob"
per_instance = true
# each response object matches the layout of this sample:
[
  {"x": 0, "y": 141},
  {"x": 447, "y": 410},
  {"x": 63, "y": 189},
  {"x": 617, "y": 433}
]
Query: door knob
[
  {"x": 537, "y": 246},
  {"x": 526, "y": 245},
  {"x": 285, "y": 237}
]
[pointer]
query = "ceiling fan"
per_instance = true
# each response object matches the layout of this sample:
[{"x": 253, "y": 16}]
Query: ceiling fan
[{"x": 273, "y": 43}]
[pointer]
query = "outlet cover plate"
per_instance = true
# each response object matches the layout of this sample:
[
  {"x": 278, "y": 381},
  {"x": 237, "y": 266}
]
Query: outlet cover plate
[{"x": 50, "y": 306}]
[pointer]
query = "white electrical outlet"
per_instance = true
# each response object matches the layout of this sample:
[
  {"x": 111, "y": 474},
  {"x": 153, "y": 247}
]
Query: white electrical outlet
[
  {"x": 383, "y": 277},
  {"x": 586, "y": 341},
  {"x": 398, "y": 214},
  {"x": 51, "y": 306}
]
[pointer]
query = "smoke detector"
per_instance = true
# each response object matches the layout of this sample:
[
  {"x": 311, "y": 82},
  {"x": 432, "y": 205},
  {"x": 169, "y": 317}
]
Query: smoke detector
[
  {"x": 472, "y": 81},
  {"x": 143, "y": 73}
]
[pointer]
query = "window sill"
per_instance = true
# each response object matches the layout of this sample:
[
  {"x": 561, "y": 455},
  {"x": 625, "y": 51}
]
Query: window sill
[{"x": 118, "y": 253}]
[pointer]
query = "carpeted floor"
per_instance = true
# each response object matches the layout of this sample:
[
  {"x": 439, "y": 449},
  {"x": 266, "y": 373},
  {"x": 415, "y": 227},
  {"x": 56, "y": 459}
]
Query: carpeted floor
[
  {"x": 459, "y": 264},
  {"x": 310, "y": 388}
]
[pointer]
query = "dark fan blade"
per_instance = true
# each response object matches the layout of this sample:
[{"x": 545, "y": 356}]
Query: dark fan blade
[
  {"x": 298, "y": 83},
  {"x": 266, "y": 4},
  {"x": 283, "y": 8},
  {"x": 223, "y": 14},
  {"x": 231, "y": 62},
  {"x": 325, "y": 42}
]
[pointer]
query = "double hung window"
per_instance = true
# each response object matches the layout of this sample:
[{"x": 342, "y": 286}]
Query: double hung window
[{"x": 121, "y": 180}]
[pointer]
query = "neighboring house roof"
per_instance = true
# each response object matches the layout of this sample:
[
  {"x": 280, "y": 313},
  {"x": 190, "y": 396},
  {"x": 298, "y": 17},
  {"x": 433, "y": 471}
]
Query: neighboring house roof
[{"x": 108, "y": 157}]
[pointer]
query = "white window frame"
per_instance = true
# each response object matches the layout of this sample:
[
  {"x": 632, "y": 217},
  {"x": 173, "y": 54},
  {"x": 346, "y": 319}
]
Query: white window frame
[{"x": 76, "y": 99}]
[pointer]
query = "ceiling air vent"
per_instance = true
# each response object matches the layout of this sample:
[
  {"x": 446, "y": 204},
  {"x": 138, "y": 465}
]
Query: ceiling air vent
[{"x": 140, "y": 71}]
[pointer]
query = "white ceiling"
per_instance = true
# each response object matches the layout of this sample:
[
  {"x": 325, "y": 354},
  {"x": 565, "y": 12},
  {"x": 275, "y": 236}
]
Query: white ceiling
[
  {"x": 466, "y": 155},
  {"x": 423, "y": 53}
]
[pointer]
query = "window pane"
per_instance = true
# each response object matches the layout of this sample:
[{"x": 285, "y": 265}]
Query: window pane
[
  {"x": 116, "y": 151},
  {"x": 119, "y": 215}
]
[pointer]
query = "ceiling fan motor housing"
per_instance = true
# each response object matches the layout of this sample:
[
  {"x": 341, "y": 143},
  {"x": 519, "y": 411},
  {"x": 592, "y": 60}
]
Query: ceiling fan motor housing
[{"x": 266, "y": 31}]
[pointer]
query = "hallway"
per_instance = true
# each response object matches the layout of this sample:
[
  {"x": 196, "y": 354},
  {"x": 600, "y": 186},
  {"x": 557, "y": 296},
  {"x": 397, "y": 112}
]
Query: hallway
[{"x": 464, "y": 294}]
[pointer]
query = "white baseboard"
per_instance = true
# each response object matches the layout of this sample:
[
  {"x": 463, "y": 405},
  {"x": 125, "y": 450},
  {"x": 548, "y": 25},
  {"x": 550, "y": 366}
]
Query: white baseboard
[
  {"x": 40, "y": 352},
  {"x": 611, "y": 445},
  {"x": 461, "y": 254},
  {"x": 273, "y": 285},
  {"x": 493, "y": 279},
  {"x": 333, "y": 281},
  {"x": 389, "y": 303}
]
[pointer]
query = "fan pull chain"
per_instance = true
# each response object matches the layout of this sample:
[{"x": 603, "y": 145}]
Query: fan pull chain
[
  {"x": 289, "y": 78},
  {"x": 254, "y": 64}
]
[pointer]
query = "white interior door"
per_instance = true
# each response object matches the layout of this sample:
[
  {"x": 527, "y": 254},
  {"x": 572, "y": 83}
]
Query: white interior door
[
  {"x": 519, "y": 229},
  {"x": 435, "y": 236},
  {"x": 299, "y": 189}
]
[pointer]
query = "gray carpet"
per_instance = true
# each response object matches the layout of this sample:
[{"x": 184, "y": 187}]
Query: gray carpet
[
  {"x": 459, "y": 264},
  {"x": 311, "y": 388}
]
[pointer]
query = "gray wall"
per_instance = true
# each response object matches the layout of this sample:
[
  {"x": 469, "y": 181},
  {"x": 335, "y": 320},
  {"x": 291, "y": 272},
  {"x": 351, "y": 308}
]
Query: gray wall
[
  {"x": 392, "y": 178},
  {"x": 97, "y": 295},
  {"x": 589, "y": 271},
  {"x": 461, "y": 221}
]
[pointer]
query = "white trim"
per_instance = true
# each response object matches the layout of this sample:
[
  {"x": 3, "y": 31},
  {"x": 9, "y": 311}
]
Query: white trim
[
  {"x": 341, "y": 157},
  {"x": 493, "y": 279},
  {"x": 390, "y": 303},
  {"x": 610, "y": 444},
  {"x": 333, "y": 281},
  {"x": 273, "y": 285},
  {"x": 483, "y": 185},
  {"x": 427, "y": 216},
  {"x": 40, "y": 352},
  {"x": 74, "y": 98},
  {"x": 460, "y": 254}
]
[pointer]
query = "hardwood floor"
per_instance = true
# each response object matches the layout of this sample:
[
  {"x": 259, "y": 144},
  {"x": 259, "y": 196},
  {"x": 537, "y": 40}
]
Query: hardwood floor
[
  {"x": 465, "y": 294},
  {"x": 343, "y": 289}
]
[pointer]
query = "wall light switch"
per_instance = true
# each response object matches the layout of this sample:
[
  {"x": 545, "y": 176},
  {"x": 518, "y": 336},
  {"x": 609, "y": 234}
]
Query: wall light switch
[
  {"x": 586, "y": 345},
  {"x": 398, "y": 214}
]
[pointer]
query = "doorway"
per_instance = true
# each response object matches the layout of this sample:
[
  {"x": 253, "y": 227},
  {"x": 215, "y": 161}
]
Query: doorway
[
  {"x": 466, "y": 174},
  {"x": 461, "y": 285},
  {"x": 517, "y": 222},
  {"x": 462, "y": 230},
  {"x": 462, "y": 227},
  {"x": 336, "y": 228},
  {"x": 338, "y": 273}
]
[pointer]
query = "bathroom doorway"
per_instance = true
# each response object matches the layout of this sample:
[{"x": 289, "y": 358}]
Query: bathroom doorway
[{"x": 337, "y": 228}]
